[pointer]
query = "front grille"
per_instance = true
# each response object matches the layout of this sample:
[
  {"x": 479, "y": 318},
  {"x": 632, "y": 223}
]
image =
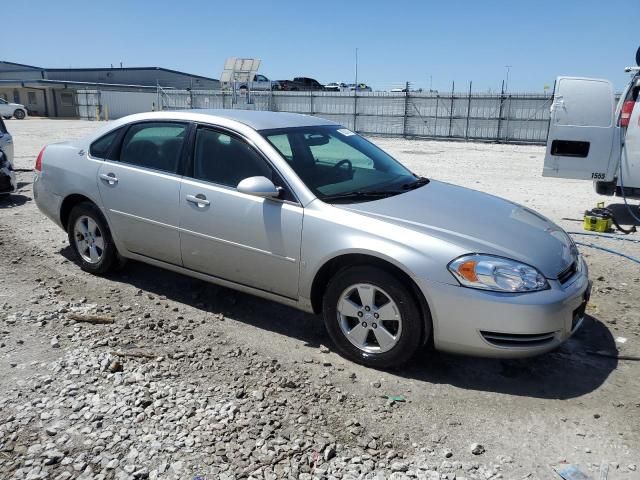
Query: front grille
[
  {"x": 566, "y": 274},
  {"x": 518, "y": 339}
]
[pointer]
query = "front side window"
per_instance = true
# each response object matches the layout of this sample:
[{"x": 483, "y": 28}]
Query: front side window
[
  {"x": 156, "y": 145},
  {"x": 226, "y": 160},
  {"x": 334, "y": 161}
]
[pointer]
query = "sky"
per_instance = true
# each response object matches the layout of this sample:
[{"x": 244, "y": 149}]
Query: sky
[{"x": 429, "y": 43}]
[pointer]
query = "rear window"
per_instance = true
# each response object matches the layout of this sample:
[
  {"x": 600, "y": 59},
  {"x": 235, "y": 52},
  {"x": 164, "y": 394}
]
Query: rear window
[
  {"x": 101, "y": 147},
  {"x": 155, "y": 145}
]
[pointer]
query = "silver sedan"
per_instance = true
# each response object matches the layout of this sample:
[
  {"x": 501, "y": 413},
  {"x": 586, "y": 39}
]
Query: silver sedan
[{"x": 307, "y": 213}]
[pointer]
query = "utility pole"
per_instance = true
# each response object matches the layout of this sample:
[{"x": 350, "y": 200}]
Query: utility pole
[
  {"x": 355, "y": 98},
  {"x": 506, "y": 86},
  {"x": 356, "y": 68}
]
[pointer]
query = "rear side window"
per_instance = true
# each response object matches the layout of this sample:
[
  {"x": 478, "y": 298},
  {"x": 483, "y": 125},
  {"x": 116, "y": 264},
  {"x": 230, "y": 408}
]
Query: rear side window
[
  {"x": 101, "y": 147},
  {"x": 155, "y": 145}
]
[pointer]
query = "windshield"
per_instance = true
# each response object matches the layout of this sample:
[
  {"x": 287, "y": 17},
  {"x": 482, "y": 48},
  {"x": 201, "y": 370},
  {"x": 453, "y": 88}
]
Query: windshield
[{"x": 333, "y": 161}]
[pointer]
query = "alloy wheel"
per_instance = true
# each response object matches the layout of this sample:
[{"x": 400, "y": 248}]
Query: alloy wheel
[
  {"x": 369, "y": 318},
  {"x": 89, "y": 239}
]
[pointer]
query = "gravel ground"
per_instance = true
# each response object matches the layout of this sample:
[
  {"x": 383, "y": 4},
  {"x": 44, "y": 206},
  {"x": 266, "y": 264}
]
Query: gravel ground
[{"x": 193, "y": 380}]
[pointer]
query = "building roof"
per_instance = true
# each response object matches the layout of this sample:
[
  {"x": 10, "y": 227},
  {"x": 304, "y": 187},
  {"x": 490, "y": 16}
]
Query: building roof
[
  {"x": 17, "y": 67},
  {"x": 12, "y": 66},
  {"x": 75, "y": 84},
  {"x": 129, "y": 69}
]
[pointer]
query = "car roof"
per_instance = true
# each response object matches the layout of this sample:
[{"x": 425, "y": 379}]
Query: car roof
[
  {"x": 256, "y": 120},
  {"x": 263, "y": 120}
]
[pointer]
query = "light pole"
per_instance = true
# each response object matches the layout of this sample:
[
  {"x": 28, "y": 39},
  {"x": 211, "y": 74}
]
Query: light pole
[
  {"x": 506, "y": 87},
  {"x": 356, "y": 68}
]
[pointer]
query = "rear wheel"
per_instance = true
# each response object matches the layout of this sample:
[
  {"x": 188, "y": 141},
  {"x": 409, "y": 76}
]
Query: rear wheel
[
  {"x": 19, "y": 114},
  {"x": 91, "y": 240},
  {"x": 372, "y": 318}
]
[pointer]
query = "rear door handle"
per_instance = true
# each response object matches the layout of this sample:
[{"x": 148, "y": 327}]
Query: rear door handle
[
  {"x": 199, "y": 200},
  {"x": 109, "y": 177}
]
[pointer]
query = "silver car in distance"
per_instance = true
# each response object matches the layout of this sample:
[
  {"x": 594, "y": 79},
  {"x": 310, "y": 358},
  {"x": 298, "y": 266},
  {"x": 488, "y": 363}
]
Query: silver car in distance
[{"x": 303, "y": 211}]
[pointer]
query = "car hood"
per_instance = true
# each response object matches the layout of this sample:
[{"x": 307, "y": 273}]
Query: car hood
[{"x": 477, "y": 223}]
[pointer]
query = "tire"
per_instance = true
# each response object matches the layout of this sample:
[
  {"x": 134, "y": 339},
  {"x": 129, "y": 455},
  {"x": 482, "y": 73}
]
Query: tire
[
  {"x": 402, "y": 322},
  {"x": 103, "y": 257},
  {"x": 19, "y": 114}
]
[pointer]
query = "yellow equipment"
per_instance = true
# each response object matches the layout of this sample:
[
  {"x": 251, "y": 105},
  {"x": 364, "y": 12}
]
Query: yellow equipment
[{"x": 598, "y": 219}]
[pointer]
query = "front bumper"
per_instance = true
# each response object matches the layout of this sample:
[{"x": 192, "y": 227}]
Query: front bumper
[{"x": 491, "y": 324}]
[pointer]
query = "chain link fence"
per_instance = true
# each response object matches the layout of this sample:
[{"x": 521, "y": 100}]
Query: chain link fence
[{"x": 508, "y": 118}]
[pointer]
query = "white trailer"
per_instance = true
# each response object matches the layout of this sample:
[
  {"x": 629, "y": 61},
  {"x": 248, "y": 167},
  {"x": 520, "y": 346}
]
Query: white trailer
[{"x": 592, "y": 137}]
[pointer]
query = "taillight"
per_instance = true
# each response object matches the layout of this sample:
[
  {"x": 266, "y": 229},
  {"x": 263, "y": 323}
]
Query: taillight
[
  {"x": 627, "y": 110},
  {"x": 38, "y": 167}
]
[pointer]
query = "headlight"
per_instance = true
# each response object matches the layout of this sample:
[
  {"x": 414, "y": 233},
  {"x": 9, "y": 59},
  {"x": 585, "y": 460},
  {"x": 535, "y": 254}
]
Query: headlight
[{"x": 498, "y": 274}]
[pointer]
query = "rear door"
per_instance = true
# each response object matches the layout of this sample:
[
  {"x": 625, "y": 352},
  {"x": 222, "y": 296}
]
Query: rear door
[
  {"x": 583, "y": 140},
  {"x": 140, "y": 189}
]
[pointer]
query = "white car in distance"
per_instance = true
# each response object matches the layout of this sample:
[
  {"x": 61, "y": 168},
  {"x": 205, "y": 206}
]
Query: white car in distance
[{"x": 15, "y": 110}]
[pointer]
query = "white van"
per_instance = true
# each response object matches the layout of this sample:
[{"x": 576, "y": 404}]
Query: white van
[{"x": 592, "y": 137}]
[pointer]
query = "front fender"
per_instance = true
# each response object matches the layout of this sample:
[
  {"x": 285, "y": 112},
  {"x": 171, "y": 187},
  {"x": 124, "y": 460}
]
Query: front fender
[{"x": 330, "y": 232}]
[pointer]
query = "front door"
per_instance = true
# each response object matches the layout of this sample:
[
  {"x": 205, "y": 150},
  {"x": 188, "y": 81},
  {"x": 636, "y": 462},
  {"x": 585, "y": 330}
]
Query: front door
[
  {"x": 140, "y": 189},
  {"x": 246, "y": 239},
  {"x": 583, "y": 141}
]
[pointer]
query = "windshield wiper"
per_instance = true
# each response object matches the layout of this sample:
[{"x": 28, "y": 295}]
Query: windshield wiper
[
  {"x": 368, "y": 194},
  {"x": 416, "y": 183}
]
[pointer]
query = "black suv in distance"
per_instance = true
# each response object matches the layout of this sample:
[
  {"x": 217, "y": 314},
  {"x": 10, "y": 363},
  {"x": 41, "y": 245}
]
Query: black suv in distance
[{"x": 300, "y": 84}]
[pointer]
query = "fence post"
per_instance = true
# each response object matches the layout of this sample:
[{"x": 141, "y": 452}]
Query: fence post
[
  {"x": 466, "y": 128},
  {"x": 406, "y": 109},
  {"x": 355, "y": 108},
  {"x": 506, "y": 133},
  {"x": 500, "y": 112},
  {"x": 271, "y": 97},
  {"x": 311, "y": 101},
  {"x": 453, "y": 89},
  {"x": 435, "y": 123}
]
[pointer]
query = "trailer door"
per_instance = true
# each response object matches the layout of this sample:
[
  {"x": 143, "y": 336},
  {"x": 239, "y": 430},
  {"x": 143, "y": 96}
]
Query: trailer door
[{"x": 582, "y": 131}]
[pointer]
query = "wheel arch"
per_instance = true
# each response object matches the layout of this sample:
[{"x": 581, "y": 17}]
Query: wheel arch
[
  {"x": 335, "y": 264},
  {"x": 67, "y": 205}
]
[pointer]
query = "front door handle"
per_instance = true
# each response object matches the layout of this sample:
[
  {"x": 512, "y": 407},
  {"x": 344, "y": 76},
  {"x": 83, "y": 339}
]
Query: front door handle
[
  {"x": 199, "y": 200},
  {"x": 109, "y": 178}
]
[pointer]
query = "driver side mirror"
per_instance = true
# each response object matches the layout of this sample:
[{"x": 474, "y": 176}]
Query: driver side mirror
[{"x": 258, "y": 187}]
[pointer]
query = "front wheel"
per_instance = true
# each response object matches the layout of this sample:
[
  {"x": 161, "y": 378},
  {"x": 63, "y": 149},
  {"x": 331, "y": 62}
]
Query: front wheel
[
  {"x": 372, "y": 318},
  {"x": 19, "y": 114},
  {"x": 91, "y": 239}
]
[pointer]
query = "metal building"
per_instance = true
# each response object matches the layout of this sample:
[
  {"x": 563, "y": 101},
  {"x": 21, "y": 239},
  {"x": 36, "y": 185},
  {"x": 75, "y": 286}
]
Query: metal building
[{"x": 51, "y": 92}]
